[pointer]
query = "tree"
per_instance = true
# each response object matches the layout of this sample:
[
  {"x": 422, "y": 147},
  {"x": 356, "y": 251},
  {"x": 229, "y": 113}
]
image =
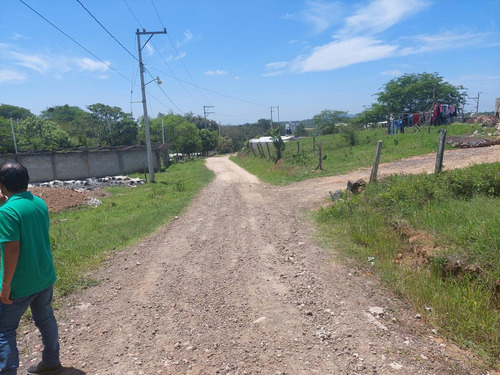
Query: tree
[
  {"x": 111, "y": 121},
  {"x": 278, "y": 143},
  {"x": 38, "y": 134},
  {"x": 6, "y": 140},
  {"x": 327, "y": 121},
  {"x": 14, "y": 112},
  {"x": 209, "y": 140},
  {"x": 371, "y": 115},
  {"x": 188, "y": 140},
  {"x": 300, "y": 130},
  {"x": 417, "y": 92}
]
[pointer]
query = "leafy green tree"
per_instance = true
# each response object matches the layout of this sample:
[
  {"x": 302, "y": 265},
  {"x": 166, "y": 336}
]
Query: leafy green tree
[
  {"x": 188, "y": 140},
  {"x": 6, "y": 140},
  {"x": 37, "y": 134},
  {"x": 209, "y": 140},
  {"x": 201, "y": 122},
  {"x": 371, "y": 115},
  {"x": 300, "y": 130},
  {"x": 112, "y": 121},
  {"x": 417, "y": 92},
  {"x": 225, "y": 145},
  {"x": 327, "y": 121},
  {"x": 278, "y": 143},
  {"x": 14, "y": 112}
]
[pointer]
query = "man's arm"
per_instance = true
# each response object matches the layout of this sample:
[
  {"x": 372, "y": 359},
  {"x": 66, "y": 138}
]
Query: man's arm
[{"x": 10, "y": 257}]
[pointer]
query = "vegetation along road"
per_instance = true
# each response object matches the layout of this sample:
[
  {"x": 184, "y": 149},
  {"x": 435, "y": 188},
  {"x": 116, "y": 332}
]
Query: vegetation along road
[{"x": 238, "y": 285}]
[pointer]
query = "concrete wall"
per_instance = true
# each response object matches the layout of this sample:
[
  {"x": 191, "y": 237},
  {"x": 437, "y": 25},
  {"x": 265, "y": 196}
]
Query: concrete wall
[{"x": 83, "y": 164}]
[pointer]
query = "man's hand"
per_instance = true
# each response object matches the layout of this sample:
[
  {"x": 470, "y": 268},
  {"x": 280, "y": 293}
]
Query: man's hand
[
  {"x": 3, "y": 198},
  {"x": 5, "y": 294}
]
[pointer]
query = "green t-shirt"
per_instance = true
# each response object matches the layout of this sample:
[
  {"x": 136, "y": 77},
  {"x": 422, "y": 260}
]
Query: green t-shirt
[{"x": 25, "y": 218}]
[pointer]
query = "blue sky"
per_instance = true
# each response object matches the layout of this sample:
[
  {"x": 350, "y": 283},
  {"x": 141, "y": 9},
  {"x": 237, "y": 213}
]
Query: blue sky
[{"x": 243, "y": 57}]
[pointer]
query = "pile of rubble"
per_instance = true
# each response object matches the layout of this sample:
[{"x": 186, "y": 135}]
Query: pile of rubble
[
  {"x": 92, "y": 183},
  {"x": 484, "y": 119}
]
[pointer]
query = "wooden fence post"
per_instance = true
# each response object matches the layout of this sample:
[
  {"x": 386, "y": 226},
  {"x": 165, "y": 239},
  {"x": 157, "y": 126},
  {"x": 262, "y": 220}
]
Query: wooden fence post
[
  {"x": 261, "y": 150},
  {"x": 440, "y": 154},
  {"x": 373, "y": 175},
  {"x": 320, "y": 166},
  {"x": 268, "y": 151},
  {"x": 251, "y": 148},
  {"x": 298, "y": 148},
  {"x": 314, "y": 143}
]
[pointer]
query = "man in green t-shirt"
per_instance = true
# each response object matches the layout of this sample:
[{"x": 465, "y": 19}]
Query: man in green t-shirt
[{"x": 26, "y": 271}]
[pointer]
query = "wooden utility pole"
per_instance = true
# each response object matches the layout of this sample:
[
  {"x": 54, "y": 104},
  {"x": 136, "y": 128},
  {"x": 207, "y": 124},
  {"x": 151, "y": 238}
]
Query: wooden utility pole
[
  {"x": 144, "y": 105},
  {"x": 13, "y": 135}
]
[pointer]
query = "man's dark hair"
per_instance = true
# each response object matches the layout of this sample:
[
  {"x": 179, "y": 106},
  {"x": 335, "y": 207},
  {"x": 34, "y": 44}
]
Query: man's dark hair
[{"x": 14, "y": 176}]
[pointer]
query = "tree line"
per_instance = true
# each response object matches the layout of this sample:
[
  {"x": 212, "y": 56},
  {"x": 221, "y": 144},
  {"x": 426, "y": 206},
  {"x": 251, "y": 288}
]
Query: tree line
[{"x": 100, "y": 125}]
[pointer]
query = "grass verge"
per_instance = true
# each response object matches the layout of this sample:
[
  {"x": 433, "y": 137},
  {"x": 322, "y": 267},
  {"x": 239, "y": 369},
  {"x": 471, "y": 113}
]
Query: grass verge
[
  {"x": 83, "y": 237},
  {"x": 435, "y": 241},
  {"x": 343, "y": 154}
]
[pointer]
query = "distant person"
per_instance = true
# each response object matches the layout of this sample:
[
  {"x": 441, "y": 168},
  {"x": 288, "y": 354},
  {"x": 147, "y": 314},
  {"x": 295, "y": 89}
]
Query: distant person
[{"x": 27, "y": 271}]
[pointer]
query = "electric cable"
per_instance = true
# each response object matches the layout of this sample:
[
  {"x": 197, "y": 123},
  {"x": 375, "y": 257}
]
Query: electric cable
[
  {"x": 76, "y": 42},
  {"x": 111, "y": 35}
]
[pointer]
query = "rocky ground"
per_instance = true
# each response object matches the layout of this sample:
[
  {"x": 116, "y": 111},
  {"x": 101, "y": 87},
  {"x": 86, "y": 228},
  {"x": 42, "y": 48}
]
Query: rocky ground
[{"x": 238, "y": 285}]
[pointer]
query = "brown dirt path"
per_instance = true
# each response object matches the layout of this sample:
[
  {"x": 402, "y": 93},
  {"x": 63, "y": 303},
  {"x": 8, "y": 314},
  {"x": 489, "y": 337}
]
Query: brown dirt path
[{"x": 237, "y": 285}]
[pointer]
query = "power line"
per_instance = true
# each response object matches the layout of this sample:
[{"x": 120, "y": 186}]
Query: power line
[
  {"x": 159, "y": 53},
  {"x": 111, "y": 35},
  {"x": 74, "y": 41},
  {"x": 177, "y": 52}
]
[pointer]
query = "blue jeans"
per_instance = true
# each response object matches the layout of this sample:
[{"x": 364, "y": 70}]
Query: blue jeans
[{"x": 43, "y": 316}]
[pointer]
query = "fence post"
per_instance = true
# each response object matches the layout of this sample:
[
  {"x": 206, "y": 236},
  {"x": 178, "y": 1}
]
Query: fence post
[
  {"x": 314, "y": 143},
  {"x": 251, "y": 148},
  {"x": 320, "y": 166},
  {"x": 298, "y": 148},
  {"x": 373, "y": 175},
  {"x": 268, "y": 151},
  {"x": 440, "y": 154}
]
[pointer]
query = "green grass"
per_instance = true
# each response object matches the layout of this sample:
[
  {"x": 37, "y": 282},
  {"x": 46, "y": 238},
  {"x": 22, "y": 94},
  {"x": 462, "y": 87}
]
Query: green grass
[
  {"x": 339, "y": 157},
  {"x": 459, "y": 214},
  {"x": 83, "y": 237}
]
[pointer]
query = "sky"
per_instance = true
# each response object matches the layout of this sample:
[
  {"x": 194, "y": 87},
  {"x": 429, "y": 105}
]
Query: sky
[{"x": 237, "y": 61}]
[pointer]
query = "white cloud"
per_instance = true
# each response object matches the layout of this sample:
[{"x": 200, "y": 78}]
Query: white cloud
[
  {"x": 88, "y": 64},
  {"x": 38, "y": 63},
  {"x": 380, "y": 15},
  {"x": 236, "y": 77},
  {"x": 149, "y": 49},
  {"x": 343, "y": 53},
  {"x": 273, "y": 74},
  {"x": 393, "y": 73},
  {"x": 438, "y": 42},
  {"x": 217, "y": 72},
  {"x": 11, "y": 76},
  {"x": 188, "y": 36},
  {"x": 318, "y": 13},
  {"x": 18, "y": 36}
]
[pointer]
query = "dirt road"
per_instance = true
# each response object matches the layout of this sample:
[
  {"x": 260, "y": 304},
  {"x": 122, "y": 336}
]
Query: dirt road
[{"x": 237, "y": 285}]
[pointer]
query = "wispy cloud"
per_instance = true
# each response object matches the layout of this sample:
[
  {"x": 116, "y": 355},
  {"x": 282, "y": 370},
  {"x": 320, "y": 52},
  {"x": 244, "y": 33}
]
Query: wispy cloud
[
  {"x": 38, "y": 63},
  {"x": 150, "y": 49},
  {"x": 360, "y": 38},
  {"x": 319, "y": 14},
  {"x": 11, "y": 76},
  {"x": 392, "y": 73},
  {"x": 343, "y": 53},
  {"x": 18, "y": 36},
  {"x": 188, "y": 36},
  {"x": 380, "y": 15},
  {"x": 48, "y": 63},
  {"x": 91, "y": 65},
  {"x": 217, "y": 72}
]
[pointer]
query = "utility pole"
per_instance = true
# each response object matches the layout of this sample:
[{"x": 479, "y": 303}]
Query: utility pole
[
  {"x": 206, "y": 112},
  {"x": 272, "y": 117},
  {"x": 477, "y": 102},
  {"x": 144, "y": 105},
  {"x": 279, "y": 128}
]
